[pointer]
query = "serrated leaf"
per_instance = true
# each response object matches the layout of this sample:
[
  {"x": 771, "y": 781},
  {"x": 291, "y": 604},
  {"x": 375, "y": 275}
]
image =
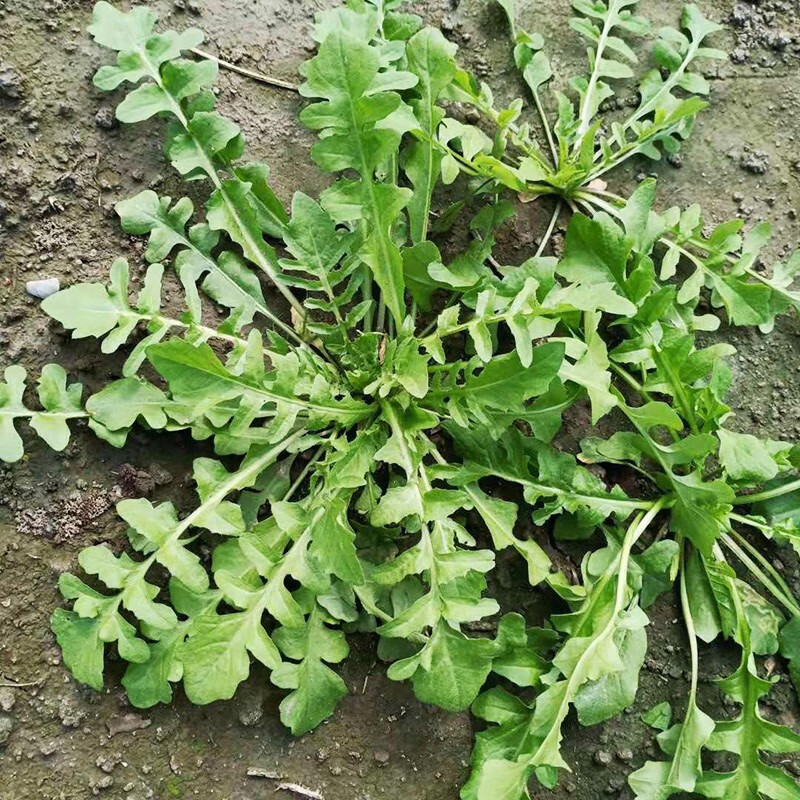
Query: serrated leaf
[
  {"x": 431, "y": 59},
  {"x": 81, "y": 645},
  {"x": 317, "y": 689},
  {"x": 450, "y": 670},
  {"x": 216, "y": 656}
]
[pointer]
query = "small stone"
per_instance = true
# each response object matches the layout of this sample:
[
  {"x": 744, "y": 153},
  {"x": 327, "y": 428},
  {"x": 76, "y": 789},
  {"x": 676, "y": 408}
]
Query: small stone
[
  {"x": 741, "y": 14},
  {"x": 103, "y": 783},
  {"x": 48, "y": 748},
  {"x": 258, "y": 772},
  {"x": 780, "y": 40},
  {"x": 10, "y": 82},
  {"x": 603, "y": 758},
  {"x": 615, "y": 785},
  {"x": 739, "y": 55},
  {"x": 675, "y": 160},
  {"x": 381, "y": 757},
  {"x": 135, "y": 482},
  {"x": 625, "y": 754},
  {"x": 6, "y": 726},
  {"x": 105, "y": 118},
  {"x": 42, "y": 288},
  {"x": 105, "y": 764},
  {"x": 7, "y": 698}
]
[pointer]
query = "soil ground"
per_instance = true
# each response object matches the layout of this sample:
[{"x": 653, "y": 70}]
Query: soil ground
[{"x": 63, "y": 163}]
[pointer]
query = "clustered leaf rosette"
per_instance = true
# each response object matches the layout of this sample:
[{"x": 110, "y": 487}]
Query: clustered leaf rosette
[{"x": 368, "y": 390}]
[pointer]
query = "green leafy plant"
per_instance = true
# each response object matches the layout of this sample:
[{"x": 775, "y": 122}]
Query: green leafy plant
[{"x": 366, "y": 389}]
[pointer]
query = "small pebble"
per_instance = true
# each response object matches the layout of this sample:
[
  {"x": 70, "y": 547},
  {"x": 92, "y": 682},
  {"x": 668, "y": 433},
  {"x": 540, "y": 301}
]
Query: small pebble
[
  {"x": 603, "y": 758},
  {"x": 7, "y": 698},
  {"x": 48, "y": 748},
  {"x": 42, "y": 288},
  {"x": 10, "y": 82},
  {"x": 6, "y": 726},
  {"x": 105, "y": 118}
]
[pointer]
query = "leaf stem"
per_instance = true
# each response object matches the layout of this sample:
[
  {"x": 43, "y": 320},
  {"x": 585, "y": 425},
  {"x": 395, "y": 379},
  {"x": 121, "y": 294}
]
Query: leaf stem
[
  {"x": 628, "y": 149},
  {"x": 638, "y": 388},
  {"x": 304, "y": 472},
  {"x": 767, "y": 494},
  {"x": 701, "y": 245},
  {"x": 170, "y": 322},
  {"x": 550, "y": 228},
  {"x": 236, "y": 481},
  {"x": 380, "y": 322},
  {"x": 516, "y": 136},
  {"x": 633, "y": 534},
  {"x": 577, "y": 674},
  {"x": 546, "y": 125},
  {"x": 666, "y": 87},
  {"x": 432, "y": 324},
  {"x": 690, "y": 629},
  {"x": 592, "y": 198},
  {"x": 614, "y": 503},
  {"x": 271, "y": 269},
  {"x": 586, "y": 105},
  {"x": 765, "y": 564},
  {"x": 786, "y": 601},
  {"x": 493, "y": 319}
]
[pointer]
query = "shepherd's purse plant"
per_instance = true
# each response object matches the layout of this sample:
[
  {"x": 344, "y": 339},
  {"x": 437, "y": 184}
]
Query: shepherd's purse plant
[{"x": 368, "y": 392}]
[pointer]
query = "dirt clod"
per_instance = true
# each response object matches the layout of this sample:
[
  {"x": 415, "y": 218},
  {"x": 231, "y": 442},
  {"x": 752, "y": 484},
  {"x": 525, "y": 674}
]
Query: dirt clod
[
  {"x": 764, "y": 25},
  {"x": 70, "y": 711},
  {"x": 126, "y": 724},
  {"x": 135, "y": 482},
  {"x": 6, "y": 726},
  {"x": 105, "y": 119},
  {"x": 48, "y": 748},
  {"x": 755, "y": 161},
  {"x": 10, "y": 82},
  {"x": 7, "y": 698}
]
